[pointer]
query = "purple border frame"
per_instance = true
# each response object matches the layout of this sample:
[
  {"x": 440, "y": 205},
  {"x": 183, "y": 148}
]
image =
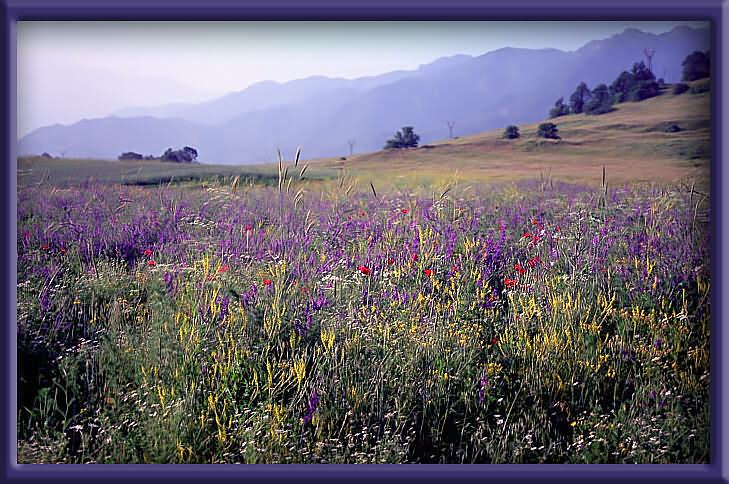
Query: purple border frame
[{"x": 717, "y": 11}]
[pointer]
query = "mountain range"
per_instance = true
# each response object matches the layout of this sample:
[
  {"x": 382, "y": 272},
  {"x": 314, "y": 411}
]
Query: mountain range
[{"x": 476, "y": 93}]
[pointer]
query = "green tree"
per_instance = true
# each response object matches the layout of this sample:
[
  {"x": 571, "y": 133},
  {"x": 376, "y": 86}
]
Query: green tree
[
  {"x": 579, "y": 98},
  {"x": 511, "y": 132},
  {"x": 405, "y": 138},
  {"x": 641, "y": 72},
  {"x": 621, "y": 86},
  {"x": 548, "y": 130},
  {"x": 696, "y": 65},
  {"x": 559, "y": 109},
  {"x": 600, "y": 102}
]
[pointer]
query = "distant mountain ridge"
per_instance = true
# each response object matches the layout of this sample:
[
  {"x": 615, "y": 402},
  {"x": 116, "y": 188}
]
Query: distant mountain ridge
[{"x": 478, "y": 93}]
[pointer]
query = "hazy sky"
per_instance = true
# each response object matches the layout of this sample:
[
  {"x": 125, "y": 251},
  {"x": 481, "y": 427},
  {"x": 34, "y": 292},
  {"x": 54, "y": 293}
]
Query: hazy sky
[{"x": 68, "y": 71}]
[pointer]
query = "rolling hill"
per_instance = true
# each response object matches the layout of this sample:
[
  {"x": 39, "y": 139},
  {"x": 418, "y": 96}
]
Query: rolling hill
[{"x": 634, "y": 143}]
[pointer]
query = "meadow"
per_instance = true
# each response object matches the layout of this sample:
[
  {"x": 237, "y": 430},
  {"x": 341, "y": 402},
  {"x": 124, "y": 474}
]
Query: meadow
[{"x": 530, "y": 321}]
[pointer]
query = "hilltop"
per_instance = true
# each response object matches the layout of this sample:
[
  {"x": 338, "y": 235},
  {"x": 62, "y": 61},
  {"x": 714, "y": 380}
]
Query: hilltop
[{"x": 633, "y": 143}]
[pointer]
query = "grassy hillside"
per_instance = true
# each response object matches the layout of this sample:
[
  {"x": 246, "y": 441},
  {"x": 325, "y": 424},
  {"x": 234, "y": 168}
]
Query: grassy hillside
[
  {"x": 60, "y": 171},
  {"x": 630, "y": 142}
]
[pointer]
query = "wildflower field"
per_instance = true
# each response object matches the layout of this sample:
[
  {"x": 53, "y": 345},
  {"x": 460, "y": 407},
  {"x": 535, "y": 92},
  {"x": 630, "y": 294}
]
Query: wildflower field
[{"x": 512, "y": 323}]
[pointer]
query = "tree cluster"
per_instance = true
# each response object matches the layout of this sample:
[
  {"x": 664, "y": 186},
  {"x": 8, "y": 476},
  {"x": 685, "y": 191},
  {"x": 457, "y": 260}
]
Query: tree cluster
[
  {"x": 187, "y": 154},
  {"x": 635, "y": 85},
  {"x": 696, "y": 65},
  {"x": 405, "y": 138}
]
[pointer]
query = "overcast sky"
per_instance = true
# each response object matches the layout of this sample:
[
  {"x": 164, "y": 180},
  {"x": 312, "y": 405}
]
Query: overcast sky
[{"x": 68, "y": 71}]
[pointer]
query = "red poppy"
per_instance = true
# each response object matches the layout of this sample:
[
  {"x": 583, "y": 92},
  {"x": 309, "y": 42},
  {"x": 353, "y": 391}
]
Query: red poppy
[
  {"x": 116, "y": 220},
  {"x": 267, "y": 282},
  {"x": 404, "y": 210},
  {"x": 535, "y": 238},
  {"x": 151, "y": 263},
  {"x": 510, "y": 283},
  {"x": 210, "y": 278},
  {"x": 147, "y": 252},
  {"x": 494, "y": 340},
  {"x": 428, "y": 272},
  {"x": 390, "y": 261},
  {"x": 364, "y": 270},
  {"x": 44, "y": 246},
  {"x": 414, "y": 257},
  {"x": 501, "y": 228},
  {"x": 224, "y": 269},
  {"x": 603, "y": 270},
  {"x": 559, "y": 228},
  {"x": 454, "y": 269},
  {"x": 527, "y": 234},
  {"x": 362, "y": 213},
  {"x": 63, "y": 250},
  {"x": 519, "y": 268},
  {"x": 535, "y": 222},
  {"x": 248, "y": 227},
  {"x": 533, "y": 262},
  {"x": 349, "y": 217}
]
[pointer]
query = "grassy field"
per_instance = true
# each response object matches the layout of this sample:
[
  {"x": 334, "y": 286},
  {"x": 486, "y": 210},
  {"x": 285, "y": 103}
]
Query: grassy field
[
  {"x": 70, "y": 172},
  {"x": 484, "y": 316},
  {"x": 630, "y": 142}
]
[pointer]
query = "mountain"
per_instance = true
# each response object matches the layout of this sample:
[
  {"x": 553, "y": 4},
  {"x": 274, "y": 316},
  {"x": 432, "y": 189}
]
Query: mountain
[{"x": 478, "y": 93}]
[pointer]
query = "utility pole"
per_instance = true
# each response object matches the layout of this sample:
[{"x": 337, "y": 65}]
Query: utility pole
[
  {"x": 450, "y": 127},
  {"x": 649, "y": 53},
  {"x": 350, "y": 142}
]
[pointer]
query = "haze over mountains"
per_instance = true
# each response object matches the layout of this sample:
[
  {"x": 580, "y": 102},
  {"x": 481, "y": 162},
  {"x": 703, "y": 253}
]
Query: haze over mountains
[{"x": 478, "y": 93}]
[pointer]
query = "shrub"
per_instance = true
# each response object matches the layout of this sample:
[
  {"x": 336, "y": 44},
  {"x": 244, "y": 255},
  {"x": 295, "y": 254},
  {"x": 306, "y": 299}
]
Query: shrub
[
  {"x": 548, "y": 130},
  {"x": 130, "y": 155},
  {"x": 701, "y": 87},
  {"x": 511, "y": 132},
  {"x": 643, "y": 90},
  {"x": 680, "y": 88},
  {"x": 672, "y": 128}
]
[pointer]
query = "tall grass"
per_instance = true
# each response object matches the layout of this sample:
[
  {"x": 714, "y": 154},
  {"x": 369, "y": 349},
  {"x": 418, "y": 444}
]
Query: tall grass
[{"x": 521, "y": 323}]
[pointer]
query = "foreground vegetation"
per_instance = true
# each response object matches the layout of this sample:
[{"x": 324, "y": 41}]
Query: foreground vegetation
[{"x": 521, "y": 323}]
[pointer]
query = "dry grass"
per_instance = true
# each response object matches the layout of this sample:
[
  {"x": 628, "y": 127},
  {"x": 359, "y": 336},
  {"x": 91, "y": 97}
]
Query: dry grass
[{"x": 629, "y": 142}]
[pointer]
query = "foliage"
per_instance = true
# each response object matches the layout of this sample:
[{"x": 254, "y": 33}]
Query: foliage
[
  {"x": 600, "y": 101},
  {"x": 130, "y": 155},
  {"x": 548, "y": 130},
  {"x": 185, "y": 155},
  {"x": 405, "y": 138},
  {"x": 511, "y": 132},
  {"x": 559, "y": 109},
  {"x": 578, "y": 98},
  {"x": 680, "y": 88},
  {"x": 636, "y": 85},
  {"x": 696, "y": 65},
  {"x": 700, "y": 87}
]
